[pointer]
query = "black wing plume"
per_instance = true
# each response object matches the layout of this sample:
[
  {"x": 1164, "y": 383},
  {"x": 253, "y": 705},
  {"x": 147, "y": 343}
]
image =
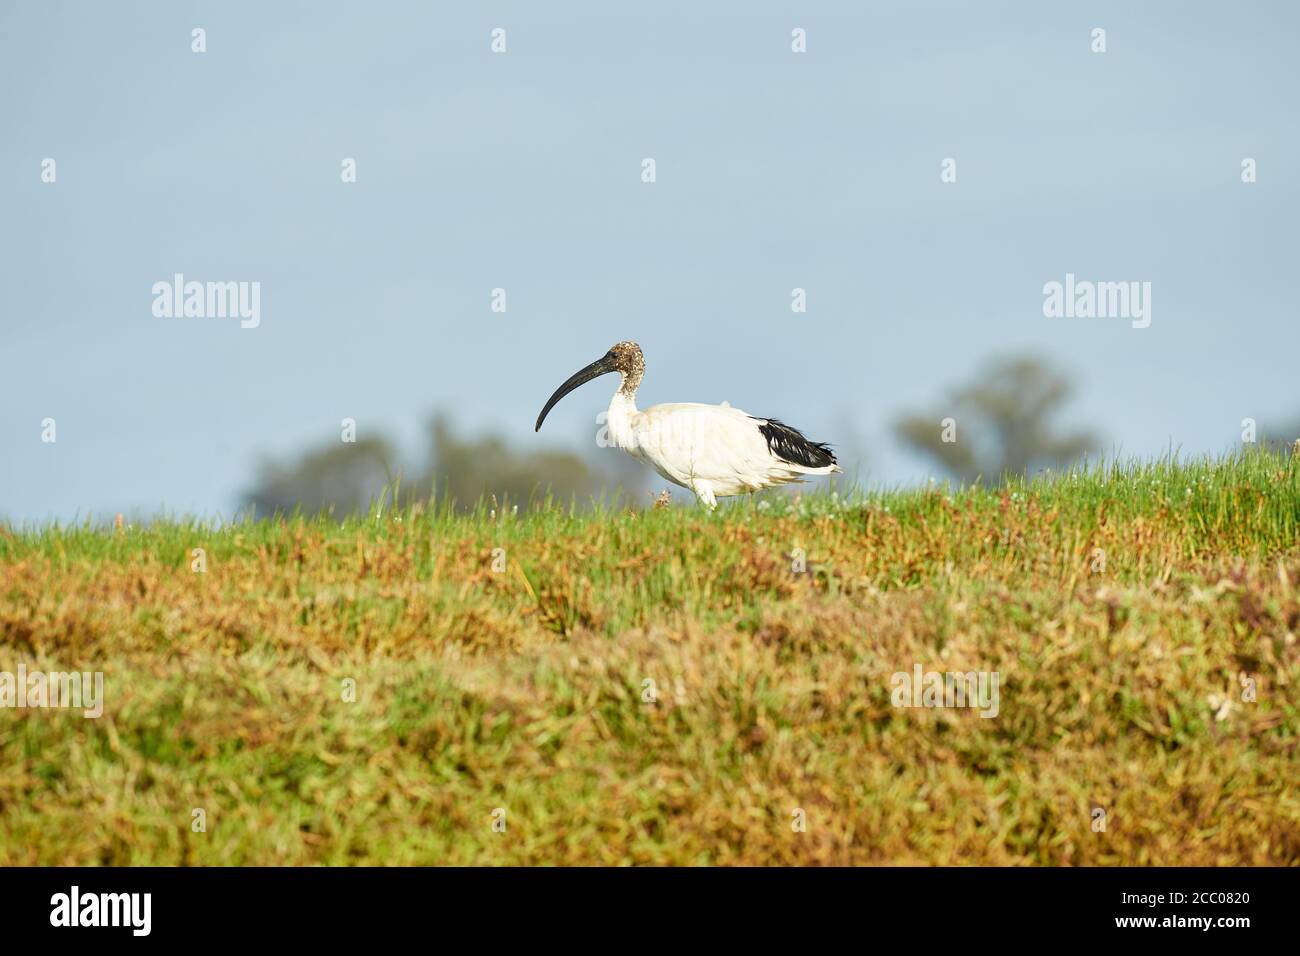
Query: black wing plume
[{"x": 790, "y": 445}]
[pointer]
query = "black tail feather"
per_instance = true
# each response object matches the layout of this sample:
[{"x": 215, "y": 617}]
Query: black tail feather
[{"x": 791, "y": 446}]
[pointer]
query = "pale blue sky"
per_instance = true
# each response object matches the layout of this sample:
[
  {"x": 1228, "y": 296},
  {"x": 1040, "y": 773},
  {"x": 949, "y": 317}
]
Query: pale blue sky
[{"x": 521, "y": 170}]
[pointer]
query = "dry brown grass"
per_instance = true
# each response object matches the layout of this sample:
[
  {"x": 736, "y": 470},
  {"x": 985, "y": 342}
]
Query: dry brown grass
[{"x": 522, "y": 688}]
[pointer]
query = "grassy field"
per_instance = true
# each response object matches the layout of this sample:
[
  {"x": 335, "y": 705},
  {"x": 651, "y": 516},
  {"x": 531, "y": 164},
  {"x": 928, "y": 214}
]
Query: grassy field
[{"x": 501, "y": 666}]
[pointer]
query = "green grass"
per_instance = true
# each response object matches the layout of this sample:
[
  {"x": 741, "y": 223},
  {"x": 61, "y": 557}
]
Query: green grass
[{"x": 1122, "y": 607}]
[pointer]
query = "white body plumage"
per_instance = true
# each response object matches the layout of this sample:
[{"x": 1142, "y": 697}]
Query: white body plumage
[{"x": 713, "y": 450}]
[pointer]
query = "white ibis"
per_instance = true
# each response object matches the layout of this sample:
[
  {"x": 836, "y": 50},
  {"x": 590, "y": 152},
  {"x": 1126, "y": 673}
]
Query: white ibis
[{"x": 714, "y": 450}]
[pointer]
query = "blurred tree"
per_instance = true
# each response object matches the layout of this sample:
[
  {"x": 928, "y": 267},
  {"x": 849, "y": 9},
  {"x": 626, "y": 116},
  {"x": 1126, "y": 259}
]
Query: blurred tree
[
  {"x": 1282, "y": 438},
  {"x": 347, "y": 476},
  {"x": 337, "y": 475},
  {"x": 467, "y": 469},
  {"x": 1001, "y": 423}
]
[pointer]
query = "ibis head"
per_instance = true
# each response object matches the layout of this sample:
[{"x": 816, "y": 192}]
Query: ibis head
[{"x": 622, "y": 357}]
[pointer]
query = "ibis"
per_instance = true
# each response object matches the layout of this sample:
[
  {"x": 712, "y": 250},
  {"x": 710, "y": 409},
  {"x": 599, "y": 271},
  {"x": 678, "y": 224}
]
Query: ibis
[{"x": 712, "y": 450}]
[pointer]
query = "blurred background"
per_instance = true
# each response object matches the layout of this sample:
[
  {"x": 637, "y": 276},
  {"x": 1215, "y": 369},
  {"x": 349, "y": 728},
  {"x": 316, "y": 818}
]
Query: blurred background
[{"x": 522, "y": 171}]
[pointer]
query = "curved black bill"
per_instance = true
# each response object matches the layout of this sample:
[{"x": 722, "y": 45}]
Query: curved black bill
[{"x": 596, "y": 369}]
